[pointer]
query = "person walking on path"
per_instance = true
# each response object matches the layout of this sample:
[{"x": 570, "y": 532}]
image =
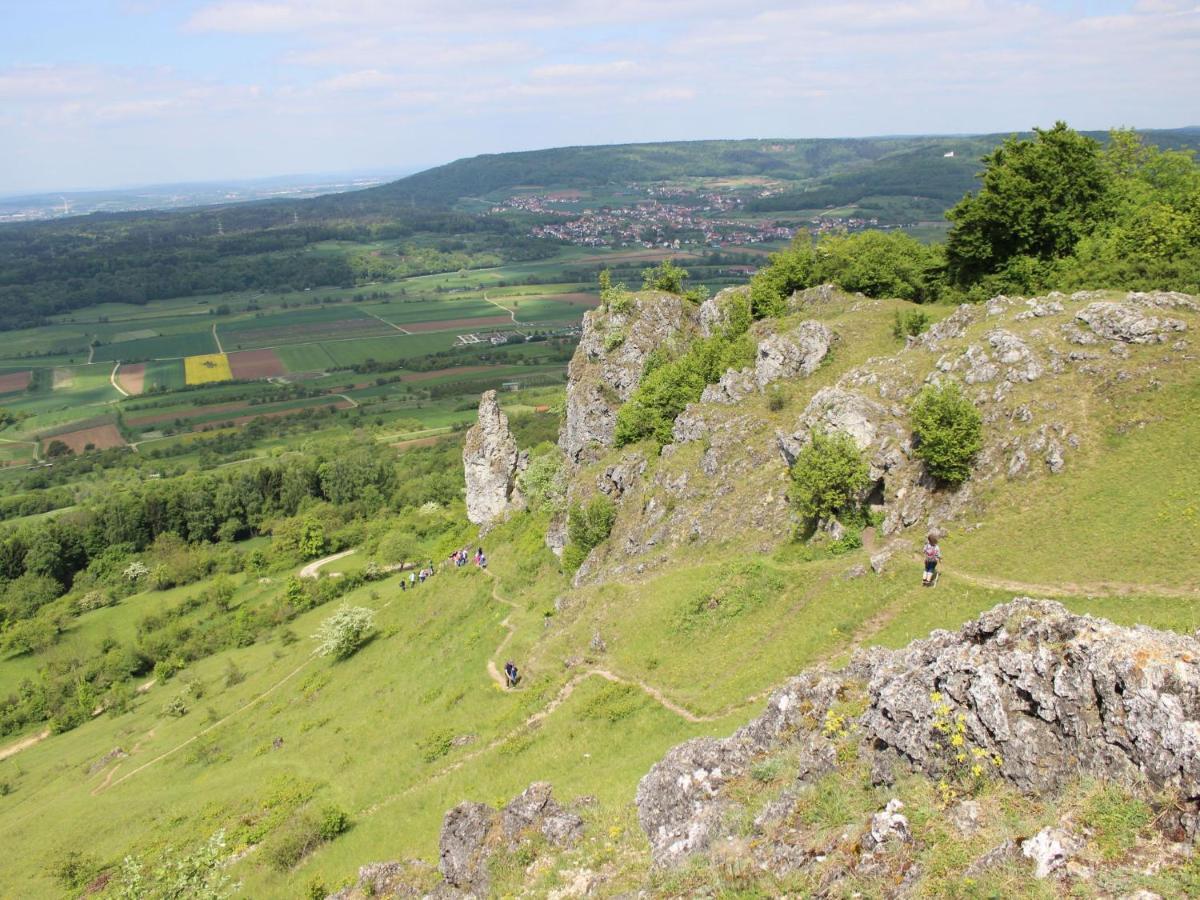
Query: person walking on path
[{"x": 933, "y": 555}]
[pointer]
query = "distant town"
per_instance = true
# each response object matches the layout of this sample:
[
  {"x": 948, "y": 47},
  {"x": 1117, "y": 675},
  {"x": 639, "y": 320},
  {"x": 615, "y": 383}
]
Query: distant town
[{"x": 668, "y": 217}]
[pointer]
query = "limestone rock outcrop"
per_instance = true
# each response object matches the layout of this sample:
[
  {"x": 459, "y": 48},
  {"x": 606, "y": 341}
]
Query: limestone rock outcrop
[
  {"x": 1128, "y": 322},
  {"x": 472, "y": 832},
  {"x": 492, "y": 465},
  {"x": 793, "y": 354},
  {"x": 607, "y": 366},
  {"x": 1044, "y": 694}
]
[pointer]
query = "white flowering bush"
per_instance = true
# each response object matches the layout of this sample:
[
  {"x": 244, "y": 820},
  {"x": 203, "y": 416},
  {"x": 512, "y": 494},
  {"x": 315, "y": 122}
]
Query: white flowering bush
[{"x": 345, "y": 631}]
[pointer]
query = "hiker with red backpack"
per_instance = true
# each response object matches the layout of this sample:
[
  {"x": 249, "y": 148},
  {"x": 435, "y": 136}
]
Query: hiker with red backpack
[{"x": 933, "y": 555}]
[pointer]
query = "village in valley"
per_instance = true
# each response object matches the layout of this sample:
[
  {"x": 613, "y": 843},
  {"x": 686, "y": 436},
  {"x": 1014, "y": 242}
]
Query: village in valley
[{"x": 666, "y": 216}]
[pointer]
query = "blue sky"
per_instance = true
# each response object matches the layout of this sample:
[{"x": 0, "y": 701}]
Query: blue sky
[{"x": 97, "y": 93}]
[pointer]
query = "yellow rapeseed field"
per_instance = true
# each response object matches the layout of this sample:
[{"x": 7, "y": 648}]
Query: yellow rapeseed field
[{"x": 207, "y": 368}]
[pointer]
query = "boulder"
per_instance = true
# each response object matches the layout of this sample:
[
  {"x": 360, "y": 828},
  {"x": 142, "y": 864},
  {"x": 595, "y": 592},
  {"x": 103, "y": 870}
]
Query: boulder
[
  {"x": 794, "y": 353},
  {"x": 462, "y": 847},
  {"x": 492, "y": 465},
  {"x": 473, "y": 832},
  {"x": 1015, "y": 353},
  {"x": 1128, "y": 323}
]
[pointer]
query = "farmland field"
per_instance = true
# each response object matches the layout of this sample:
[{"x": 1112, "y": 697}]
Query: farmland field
[
  {"x": 164, "y": 375},
  {"x": 12, "y": 382},
  {"x": 132, "y": 377},
  {"x": 252, "y": 364},
  {"x": 207, "y": 368},
  {"x": 101, "y": 437},
  {"x": 304, "y": 358},
  {"x": 162, "y": 347}
]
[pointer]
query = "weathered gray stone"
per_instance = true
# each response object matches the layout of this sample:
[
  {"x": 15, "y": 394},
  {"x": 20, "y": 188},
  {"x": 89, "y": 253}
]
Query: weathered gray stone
[
  {"x": 796, "y": 353},
  {"x": 462, "y": 847},
  {"x": 1050, "y": 849},
  {"x": 1045, "y": 696},
  {"x": 714, "y": 312},
  {"x": 492, "y": 465},
  {"x": 600, "y": 380},
  {"x": 887, "y": 826},
  {"x": 1015, "y": 353},
  {"x": 471, "y": 832},
  {"x": 1128, "y": 323},
  {"x": 966, "y": 816}
]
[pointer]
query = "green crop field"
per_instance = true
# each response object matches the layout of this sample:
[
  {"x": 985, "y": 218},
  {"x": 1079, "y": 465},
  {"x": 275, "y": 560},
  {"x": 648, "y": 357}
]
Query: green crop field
[
  {"x": 304, "y": 357},
  {"x": 164, "y": 347},
  {"x": 164, "y": 375}
]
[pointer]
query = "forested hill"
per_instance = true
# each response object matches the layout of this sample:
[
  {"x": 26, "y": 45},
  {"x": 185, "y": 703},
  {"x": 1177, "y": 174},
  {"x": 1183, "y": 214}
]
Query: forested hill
[{"x": 870, "y": 163}]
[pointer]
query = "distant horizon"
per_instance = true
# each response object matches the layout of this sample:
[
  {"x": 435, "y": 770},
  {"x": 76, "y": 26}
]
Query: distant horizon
[
  {"x": 148, "y": 92},
  {"x": 395, "y": 173}
]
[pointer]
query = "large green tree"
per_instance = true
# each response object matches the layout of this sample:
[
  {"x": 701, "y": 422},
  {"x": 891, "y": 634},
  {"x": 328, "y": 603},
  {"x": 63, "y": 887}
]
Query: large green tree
[{"x": 1038, "y": 199}]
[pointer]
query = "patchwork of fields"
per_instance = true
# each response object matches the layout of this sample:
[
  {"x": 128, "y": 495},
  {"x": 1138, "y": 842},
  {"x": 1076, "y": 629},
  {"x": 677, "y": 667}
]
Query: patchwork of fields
[{"x": 388, "y": 356}]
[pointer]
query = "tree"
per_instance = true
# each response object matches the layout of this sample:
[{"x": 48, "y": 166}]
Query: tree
[
  {"x": 789, "y": 271},
  {"x": 828, "y": 475},
  {"x": 57, "y": 448},
  {"x": 948, "y": 430},
  {"x": 588, "y": 527},
  {"x": 666, "y": 276},
  {"x": 344, "y": 632},
  {"x": 1038, "y": 198}
]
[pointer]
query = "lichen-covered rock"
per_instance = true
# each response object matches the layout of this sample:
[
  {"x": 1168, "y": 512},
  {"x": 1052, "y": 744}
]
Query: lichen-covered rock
[
  {"x": 1163, "y": 300},
  {"x": 836, "y": 409},
  {"x": 1051, "y": 695},
  {"x": 734, "y": 385},
  {"x": 1044, "y": 695},
  {"x": 795, "y": 353},
  {"x": 492, "y": 465},
  {"x": 714, "y": 312},
  {"x": 472, "y": 832},
  {"x": 412, "y": 878},
  {"x": 1015, "y": 353},
  {"x": 602, "y": 376},
  {"x": 462, "y": 848},
  {"x": 954, "y": 325},
  {"x": 1128, "y": 323},
  {"x": 888, "y": 826},
  {"x": 1050, "y": 849},
  {"x": 679, "y": 801}
]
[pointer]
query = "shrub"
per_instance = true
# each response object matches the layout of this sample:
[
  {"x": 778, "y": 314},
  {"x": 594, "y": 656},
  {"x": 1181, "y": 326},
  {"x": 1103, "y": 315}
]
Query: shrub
[
  {"x": 233, "y": 675},
  {"x": 344, "y": 632},
  {"x": 790, "y": 270},
  {"x": 911, "y": 323},
  {"x": 544, "y": 482},
  {"x": 948, "y": 430},
  {"x": 175, "y": 707},
  {"x": 666, "y": 276},
  {"x": 73, "y": 869},
  {"x": 588, "y": 526},
  {"x": 332, "y": 821},
  {"x": 828, "y": 475},
  {"x": 614, "y": 297},
  {"x": 668, "y": 386},
  {"x": 198, "y": 875},
  {"x": 613, "y": 340}
]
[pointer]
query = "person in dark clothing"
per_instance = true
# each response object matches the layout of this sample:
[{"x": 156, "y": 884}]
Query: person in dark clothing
[{"x": 510, "y": 674}]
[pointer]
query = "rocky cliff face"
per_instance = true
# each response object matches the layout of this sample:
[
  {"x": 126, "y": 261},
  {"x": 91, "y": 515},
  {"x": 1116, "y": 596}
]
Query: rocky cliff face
[
  {"x": 492, "y": 465},
  {"x": 1043, "y": 696},
  {"x": 1038, "y": 369},
  {"x": 608, "y": 363}
]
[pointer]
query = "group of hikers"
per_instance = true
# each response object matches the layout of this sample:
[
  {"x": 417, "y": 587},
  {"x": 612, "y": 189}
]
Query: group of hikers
[
  {"x": 460, "y": 557},
  {"x": 416, "y": 576}
]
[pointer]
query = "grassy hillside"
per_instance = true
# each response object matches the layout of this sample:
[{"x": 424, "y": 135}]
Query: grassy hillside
[{"x": 615, "y": 671}]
